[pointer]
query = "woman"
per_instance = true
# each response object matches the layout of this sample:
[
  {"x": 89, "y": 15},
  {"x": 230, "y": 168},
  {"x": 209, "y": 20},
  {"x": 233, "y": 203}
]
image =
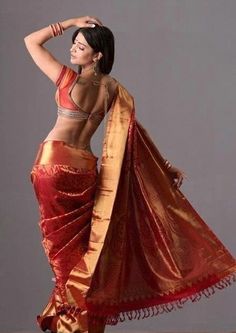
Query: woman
[{"x": 123, "y": 242}]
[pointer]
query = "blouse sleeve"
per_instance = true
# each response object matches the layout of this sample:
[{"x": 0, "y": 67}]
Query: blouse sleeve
[{"x": 61, "y": 75}]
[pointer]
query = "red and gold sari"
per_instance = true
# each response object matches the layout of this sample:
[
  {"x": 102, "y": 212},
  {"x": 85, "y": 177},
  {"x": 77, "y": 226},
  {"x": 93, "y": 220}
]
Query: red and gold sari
[{"x": 123, "y": 243}]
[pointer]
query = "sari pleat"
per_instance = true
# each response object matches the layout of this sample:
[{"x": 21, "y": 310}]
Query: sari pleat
[{"x": 64, "y": 179}]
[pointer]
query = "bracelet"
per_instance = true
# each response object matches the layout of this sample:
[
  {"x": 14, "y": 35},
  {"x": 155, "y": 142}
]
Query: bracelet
[
  {"x": 57, "y": 29},
  {"x": 167, "y": 164}
]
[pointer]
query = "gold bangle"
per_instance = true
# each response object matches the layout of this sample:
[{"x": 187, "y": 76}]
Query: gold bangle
[
  {"x": 61, "y": 28},
  {"x": 57, "y": 29},
  {"x": 53, "y": 31}
]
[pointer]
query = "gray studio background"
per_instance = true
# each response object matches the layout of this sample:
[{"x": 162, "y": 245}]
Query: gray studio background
[{"x": 178, "y": 59}]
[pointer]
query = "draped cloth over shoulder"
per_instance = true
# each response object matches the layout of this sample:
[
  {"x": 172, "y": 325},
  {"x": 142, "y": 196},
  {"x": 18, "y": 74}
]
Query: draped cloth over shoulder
[{"x": 149, "y": 251}]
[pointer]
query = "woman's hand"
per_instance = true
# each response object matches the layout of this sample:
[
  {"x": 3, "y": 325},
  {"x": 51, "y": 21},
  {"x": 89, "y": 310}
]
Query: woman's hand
[
  {"x": 177, "y": 176},
  {"x": 86, "y": 21}
]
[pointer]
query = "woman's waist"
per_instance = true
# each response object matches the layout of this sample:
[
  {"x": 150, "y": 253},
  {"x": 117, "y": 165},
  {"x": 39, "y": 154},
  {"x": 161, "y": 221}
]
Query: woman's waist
[
  {"x": 57, "y": 151},
  {"x": 71, "y": 138},
  {"x": 69, "y": 132}
]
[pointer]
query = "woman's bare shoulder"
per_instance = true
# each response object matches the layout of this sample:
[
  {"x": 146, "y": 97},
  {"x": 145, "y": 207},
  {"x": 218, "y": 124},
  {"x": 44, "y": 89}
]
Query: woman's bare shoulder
[
  {"x": 111, "y": 81},
  {"x": 110, "y": 77}
]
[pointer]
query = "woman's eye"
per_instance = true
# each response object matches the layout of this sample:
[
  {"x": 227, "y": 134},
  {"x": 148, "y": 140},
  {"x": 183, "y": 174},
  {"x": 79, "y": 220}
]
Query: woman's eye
[{"x": 79, "y": 47}]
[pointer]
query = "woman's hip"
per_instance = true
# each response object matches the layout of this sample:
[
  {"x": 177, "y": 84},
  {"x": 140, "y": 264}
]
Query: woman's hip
[
  {"x": 64, "y": 178},
  {"x": 59, "y": 152}
]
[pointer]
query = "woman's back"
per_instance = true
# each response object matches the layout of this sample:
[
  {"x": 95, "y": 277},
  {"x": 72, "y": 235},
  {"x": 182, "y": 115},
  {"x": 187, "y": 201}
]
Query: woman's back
[{"x": 82, "y": 104}]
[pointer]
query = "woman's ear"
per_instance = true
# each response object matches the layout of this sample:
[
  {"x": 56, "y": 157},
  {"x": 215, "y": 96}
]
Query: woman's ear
[{"x": 98, "y": 57}]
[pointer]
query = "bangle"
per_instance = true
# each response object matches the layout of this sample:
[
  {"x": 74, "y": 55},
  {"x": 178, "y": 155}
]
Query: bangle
[
  {"x": 57, "y": 29},
  {"x": 167, "y": 164}
]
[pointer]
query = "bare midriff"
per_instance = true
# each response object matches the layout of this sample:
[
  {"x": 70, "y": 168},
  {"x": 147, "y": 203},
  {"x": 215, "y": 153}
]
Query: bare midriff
[
  {"x": 78, "y": 132},
  {"x": 70, "y": 131}
]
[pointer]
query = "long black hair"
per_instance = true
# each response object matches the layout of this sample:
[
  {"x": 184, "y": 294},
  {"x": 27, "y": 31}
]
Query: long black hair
[{"x": 101, "y": 39}]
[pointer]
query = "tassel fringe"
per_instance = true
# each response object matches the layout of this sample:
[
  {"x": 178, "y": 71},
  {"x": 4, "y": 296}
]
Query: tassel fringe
[
  {"x": 167, "y": 307},
  {"x": 154, "y": 310}
]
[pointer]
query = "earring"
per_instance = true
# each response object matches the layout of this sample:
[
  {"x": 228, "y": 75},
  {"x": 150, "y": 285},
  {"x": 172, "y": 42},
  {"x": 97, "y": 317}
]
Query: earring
[{"x": 95, "y": 70}]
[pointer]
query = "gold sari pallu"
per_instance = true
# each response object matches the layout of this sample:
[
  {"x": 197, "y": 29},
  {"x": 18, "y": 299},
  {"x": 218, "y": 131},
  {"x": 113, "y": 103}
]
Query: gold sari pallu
[
  {"x": 149, "y": 250},
  {"x": 146, "y": 250}
]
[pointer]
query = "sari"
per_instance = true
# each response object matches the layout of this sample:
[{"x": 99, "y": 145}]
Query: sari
[{"x": 132, "y": 246}]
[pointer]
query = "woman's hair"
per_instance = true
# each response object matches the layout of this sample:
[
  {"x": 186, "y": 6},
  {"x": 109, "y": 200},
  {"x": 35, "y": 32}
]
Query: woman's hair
[{"x": 101, "y": 39}]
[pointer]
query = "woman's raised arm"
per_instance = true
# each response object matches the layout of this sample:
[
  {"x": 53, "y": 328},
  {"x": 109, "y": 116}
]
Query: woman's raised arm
[{"x": 48, "y": 64}]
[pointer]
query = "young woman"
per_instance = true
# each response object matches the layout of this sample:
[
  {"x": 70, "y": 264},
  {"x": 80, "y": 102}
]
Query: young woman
[{"x": 123, "y": 241}]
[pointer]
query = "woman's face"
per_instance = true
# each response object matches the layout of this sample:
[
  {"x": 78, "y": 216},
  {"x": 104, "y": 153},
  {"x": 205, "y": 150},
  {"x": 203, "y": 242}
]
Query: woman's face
[{"x": 82, "y": 53}]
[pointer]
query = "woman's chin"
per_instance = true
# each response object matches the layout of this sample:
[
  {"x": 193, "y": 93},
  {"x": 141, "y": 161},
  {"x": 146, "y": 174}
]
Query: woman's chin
[{"x": 73, "y": 60}]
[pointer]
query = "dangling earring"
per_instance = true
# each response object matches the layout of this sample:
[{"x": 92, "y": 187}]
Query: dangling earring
[{"x": 95, "y": 71}]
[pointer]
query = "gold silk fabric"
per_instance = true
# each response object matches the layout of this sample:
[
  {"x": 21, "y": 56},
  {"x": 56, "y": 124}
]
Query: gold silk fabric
[
  {"x": 64, "y": 179},
  {"x": 148, "y": 250}
]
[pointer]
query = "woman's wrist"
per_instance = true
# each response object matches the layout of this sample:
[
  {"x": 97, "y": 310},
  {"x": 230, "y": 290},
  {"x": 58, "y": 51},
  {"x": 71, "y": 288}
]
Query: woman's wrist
[
  {"x": 52, "y": 30},
  {"x": 167, "y": 164},
  {"x": 68, "y": 23},
  {"x": 59, "y": 27}
]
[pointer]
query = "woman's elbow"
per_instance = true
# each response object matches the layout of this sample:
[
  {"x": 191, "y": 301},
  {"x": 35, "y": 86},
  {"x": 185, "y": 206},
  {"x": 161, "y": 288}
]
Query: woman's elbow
[{"x": 26, "y": 39}]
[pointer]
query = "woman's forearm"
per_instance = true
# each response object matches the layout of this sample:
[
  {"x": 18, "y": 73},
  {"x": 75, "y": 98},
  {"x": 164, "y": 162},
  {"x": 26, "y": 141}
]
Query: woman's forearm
[{"x": 41, "y": 36}]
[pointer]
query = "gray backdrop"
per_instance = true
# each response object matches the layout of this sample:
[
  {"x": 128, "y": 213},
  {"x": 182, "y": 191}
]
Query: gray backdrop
[{"x": 177, "y": 58}]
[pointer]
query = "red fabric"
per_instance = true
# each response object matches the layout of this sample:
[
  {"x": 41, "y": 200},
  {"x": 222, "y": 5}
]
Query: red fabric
[
  {"x": 64, "y": 180},
  {"x": 158, "y": 252},
  {"x": 61, "y": 75},
  {"x": 65, "y": 81}
]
